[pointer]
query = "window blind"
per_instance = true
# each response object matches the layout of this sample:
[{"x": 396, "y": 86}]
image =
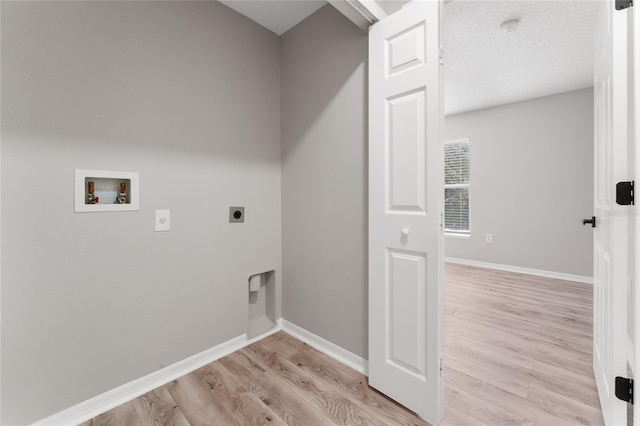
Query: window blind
[{"x": 457, "y": 173}]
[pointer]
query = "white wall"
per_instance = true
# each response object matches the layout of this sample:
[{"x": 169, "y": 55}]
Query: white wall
[
  {"x": 324, "y": 170},
  {"x": 531, "y": 183},
  {"x": 188, "y": 95}
]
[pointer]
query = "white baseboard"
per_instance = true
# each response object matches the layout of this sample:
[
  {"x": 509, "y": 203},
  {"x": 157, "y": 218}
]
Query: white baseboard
[
  {"x": 521, "y": 270},
  {"x": 111, "y": 399},
  {"x": 347, "y": 358}
]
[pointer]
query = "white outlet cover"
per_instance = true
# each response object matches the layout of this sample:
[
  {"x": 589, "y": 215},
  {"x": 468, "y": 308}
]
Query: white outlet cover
[{"x": 163, "y": 220}]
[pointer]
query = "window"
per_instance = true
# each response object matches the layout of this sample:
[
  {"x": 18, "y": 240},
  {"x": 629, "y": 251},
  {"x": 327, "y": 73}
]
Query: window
[{"x": 457, "y": 155}]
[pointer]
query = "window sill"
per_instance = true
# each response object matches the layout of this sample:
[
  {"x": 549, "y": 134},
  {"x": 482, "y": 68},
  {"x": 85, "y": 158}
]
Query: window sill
[{"x": 457, "y": 236}]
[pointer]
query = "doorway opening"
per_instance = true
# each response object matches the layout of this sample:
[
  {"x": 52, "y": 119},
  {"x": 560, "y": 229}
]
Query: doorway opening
[{"x": 518, "y": 303}]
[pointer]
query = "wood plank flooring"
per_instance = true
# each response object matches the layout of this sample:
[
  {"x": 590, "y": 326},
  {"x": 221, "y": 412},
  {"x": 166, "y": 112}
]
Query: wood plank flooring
[
  {"x": 517, "y": 352},
  {"x": 276, "y": 381}
]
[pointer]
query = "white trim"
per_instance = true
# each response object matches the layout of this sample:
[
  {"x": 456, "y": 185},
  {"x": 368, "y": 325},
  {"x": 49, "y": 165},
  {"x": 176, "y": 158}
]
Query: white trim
[
  {"x": 369, "y": 9},
  {"x": 0, "y": 244},
  {"x": 460, "y": 235},
  {"x": 0, "y": 240},
  {"x": 347, "y": 358},
  {"x": 460, "y": 140},
  {"x": 521, "y": 270},
  {"x": 102, "y": 403},
  {"x": 363, "y": 13},
  {"x": 111, "y": 399}
]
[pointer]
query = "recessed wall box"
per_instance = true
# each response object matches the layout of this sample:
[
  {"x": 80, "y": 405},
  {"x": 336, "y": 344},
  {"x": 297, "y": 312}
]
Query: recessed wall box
[
  {"x": 105, "y": 191},
  {"x": 236, "y": 214}
]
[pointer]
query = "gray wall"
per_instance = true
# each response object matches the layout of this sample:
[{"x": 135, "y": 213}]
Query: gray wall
[
  {"x": 324, "y": 157},
  {"x": 185, "y": 93},
  {"x": 188, "y": 95},
  {"x": 531, "y": 183}
]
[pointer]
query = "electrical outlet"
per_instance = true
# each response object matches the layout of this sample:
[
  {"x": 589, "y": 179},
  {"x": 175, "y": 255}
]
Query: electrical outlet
[
  {"x": 489, "y": 238},
  {"x": 163, "y": 220}
]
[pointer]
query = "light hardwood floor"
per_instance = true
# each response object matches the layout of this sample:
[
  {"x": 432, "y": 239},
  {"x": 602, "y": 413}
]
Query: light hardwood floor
[
  {"x": 517, "y": 352},
  {"x": 276, "y": 381}
]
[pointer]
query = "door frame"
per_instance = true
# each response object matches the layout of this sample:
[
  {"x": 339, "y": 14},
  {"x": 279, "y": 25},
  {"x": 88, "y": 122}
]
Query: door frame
[
  {"x": 366, "y": 12},
  {"x": 634, "y": 23}
]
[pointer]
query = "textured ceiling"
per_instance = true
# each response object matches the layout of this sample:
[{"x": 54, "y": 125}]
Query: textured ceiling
[
  {"x": 277, "y": 16},
  {"x": 551, "y": 52}
]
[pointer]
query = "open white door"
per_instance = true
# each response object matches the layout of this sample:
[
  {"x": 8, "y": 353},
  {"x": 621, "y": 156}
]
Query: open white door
[
  {"x": 406, "y": 168},
  {"x": 633, "y": 214},
  {"x": 634, "y": 221},
  {"x": 611, "y": 251}
]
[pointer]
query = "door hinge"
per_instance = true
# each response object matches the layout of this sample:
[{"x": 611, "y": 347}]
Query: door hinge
[
  {"x": 441, "y": 362},
  {"x": 624, "y": 389},
  {"x": 441, "y": 56},
  {"x": 623, "y": 4},
  {"x": 625, "y": 193}
]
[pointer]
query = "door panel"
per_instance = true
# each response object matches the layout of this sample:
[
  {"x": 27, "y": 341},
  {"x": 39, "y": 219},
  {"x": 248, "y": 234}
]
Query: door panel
[
  {"x": 610, "y": 234},
  {"x": 406, "y": 152},
  {"x": 406, "y": 198},
  {"x": 405, "y": 313},
  {"x": 406, "y": 50}
]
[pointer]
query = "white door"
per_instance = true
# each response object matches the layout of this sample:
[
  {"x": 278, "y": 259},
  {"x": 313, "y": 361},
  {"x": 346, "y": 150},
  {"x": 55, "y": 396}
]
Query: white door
[
  {"x": 633, "y": 214},
  {"x": 406, "y": 198},
  {"x": 610, "y": 234}
]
